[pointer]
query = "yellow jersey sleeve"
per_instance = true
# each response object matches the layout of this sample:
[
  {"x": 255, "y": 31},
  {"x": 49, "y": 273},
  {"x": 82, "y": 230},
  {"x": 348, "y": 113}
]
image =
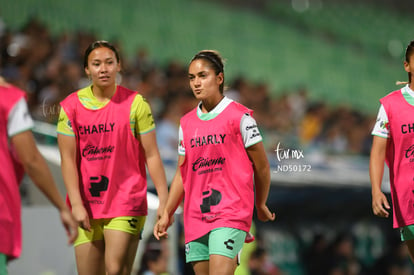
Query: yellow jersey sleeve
[
  {"x": 64, "y": 126},
  {"x": 141, "y": 119}
]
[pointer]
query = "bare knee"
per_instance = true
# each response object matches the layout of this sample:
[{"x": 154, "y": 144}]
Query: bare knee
[{"x": 115, "y": 268}]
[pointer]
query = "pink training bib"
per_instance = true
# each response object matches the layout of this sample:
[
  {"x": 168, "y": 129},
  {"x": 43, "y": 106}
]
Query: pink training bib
[
  {"x": 10, "y": 218},
  {"x": 110, "y": 159},
  {"x": 400, "y": 156},
  {"x": 217, "y": 173}
]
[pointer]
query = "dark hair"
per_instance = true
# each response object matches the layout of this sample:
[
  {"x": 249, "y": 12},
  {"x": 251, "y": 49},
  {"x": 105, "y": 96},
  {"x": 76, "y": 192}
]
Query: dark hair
[
  {"x": 99, "y": 44},
  {"x": 408, "y": 53},
  {"x": 216, "y": 61},
  {"x": 149, "y": 256}
]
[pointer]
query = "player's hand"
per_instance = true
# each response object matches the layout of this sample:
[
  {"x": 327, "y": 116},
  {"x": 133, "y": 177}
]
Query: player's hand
[
  {"x": 264, "y": 214},
  {"x": 380, "y": 205},
  {"x": 81, "y": 216},
  {"x": 161, "y": 226},
  {"x": 70, "y": 225},
  {"x": 160, "y": 211}
]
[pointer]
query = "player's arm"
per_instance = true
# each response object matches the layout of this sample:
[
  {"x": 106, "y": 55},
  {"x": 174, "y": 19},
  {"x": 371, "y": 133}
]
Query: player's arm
[
  {"x": 380, "y": 134},
  {"x": 67, "y": 148},
  {"x": 261, "y": 170},
  {"x": 253, "y": 143},
  {"x": 36, "y": 168},
  {"x": 145, "y": 133},
  {"x": 175, "y": 196},
  {"x": 155, "y": 168},
  {"x": 380, "y": 205},
  {"x": 19, "y": 124}
]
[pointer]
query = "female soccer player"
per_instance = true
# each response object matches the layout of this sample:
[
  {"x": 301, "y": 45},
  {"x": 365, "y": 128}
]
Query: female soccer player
[
  {"x": 19, "y": 154},
  {"x": 393, "y": 140},
  {"x": 220, "y": 152},
  {"x": 106, "y": 136}
]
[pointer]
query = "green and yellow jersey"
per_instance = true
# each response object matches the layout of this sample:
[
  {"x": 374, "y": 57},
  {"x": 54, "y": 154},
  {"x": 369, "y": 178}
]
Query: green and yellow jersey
[{"x": 141, "y": 119}]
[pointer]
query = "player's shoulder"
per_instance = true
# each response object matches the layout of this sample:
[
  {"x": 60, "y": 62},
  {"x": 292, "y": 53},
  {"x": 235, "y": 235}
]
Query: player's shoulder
[
  {"x": 124, "y": 91},
  {"x": 139, "y": 101},
  {"x": 11, "y": 92},
  {"x": 75, "y": 95},
  {"x": 391, "y": 98},
  {"x": 393, "y": 94},
  {"x": 10, "y": 95},
  {"x": 139, "y": 98},
  {"x": 241, "y": 110}
]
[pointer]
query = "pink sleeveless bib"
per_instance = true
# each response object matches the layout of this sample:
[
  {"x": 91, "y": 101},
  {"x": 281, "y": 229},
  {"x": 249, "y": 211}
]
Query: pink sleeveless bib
[
  {"x": 110, "y": 159},
  {"x": 400, "y": 156},
  {"x": 10, "y": 218},
  {"x": 217, "y": 173}
]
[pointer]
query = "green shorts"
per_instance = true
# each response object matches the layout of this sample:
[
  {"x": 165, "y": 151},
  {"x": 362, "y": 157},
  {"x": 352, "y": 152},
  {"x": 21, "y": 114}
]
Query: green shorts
[
  {"x": 220, "y": 241},
  {"x": 129, "y": 224},
  {"x": 3, "y": 264},
  {"x": 407, "y": 233}
]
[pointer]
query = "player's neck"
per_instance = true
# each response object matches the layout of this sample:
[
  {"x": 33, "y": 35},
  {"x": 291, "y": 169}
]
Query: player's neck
[
  {"x": 209, "y": 104},
  {"x": 103, "y": 93},
  {"x": 411, "y": 85}
]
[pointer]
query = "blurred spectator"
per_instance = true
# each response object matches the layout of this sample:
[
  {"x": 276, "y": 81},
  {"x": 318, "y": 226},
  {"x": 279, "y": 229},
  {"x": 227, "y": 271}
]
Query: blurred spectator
[
  {"x": 260, "y": 264},
  {"x": 167, "y": 129},
  {"x": 395, "y": 261},
  {"x": 142, "y": 61},
  {"x": 312, "y": 123},
  {"x": 315, "y": 255},
  {"x": 46, "y": 67},
  {"x": 154, "y": 260},
  {"x": 237, "y": 89},
  {"x": 341, "y": 258},
  {"x": 298, "y": 102}
]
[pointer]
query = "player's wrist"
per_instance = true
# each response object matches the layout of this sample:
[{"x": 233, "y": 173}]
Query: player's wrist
[{"x": 376, "y": 190}]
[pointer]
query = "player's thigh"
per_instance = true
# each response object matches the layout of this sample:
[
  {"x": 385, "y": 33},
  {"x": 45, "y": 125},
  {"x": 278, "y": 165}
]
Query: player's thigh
[
  {"x": 226, "y": 241},
  {"x": 90, "y": 258},
  {"x": 201, "y": 267},
  {"x": 90, "y": 249},
  {"x": 407, "y": 233},
  {"x": 196, "y": 253},
  {"x": 407, "y": 236},
  {"x": 120, "y": 250},
  {"x": 225, "y": 245},
  {"x": 222, "y": 265},
  {"x": 197, "y": 250},
  {"x": 122, "y": 236}
]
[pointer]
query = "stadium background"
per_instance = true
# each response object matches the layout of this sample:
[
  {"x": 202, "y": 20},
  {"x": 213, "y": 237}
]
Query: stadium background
[{"x": 344, "y": 56}]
